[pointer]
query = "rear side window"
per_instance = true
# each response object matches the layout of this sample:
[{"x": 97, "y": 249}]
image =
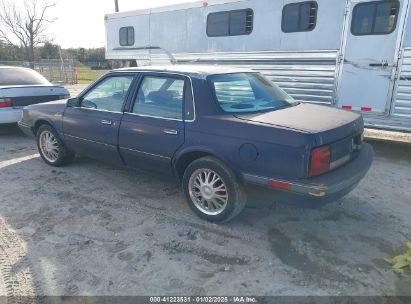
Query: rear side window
[
  {"x": 126, "y": 36},
  {"x": 299, "y": 17},
  {"x": 160, "y": 97},
  {"x": 21, "y": 76},
  {"x": 231, "y": 23},
  {"x": 375, "y": 18}
]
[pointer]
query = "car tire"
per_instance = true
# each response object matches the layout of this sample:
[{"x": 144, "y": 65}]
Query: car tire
[
  {"x": 212, "y": 190},
  {"x": 51, "y": 148}
]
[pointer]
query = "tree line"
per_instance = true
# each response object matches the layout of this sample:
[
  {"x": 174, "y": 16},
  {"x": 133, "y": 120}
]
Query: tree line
[
  {"x": 48, "y": 50},
  {"x": 23, "y": 35}
]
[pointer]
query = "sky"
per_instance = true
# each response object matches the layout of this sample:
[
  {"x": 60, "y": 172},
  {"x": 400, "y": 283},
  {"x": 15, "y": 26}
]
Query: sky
[{"x": 80, "y": 23}]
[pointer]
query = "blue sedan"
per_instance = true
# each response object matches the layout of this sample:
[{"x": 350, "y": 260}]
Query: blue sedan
[{"x": 220, "y": 131}]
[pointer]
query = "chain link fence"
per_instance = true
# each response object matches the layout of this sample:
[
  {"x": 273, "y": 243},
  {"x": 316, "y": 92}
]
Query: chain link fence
[{"x": 55, "y": 70}]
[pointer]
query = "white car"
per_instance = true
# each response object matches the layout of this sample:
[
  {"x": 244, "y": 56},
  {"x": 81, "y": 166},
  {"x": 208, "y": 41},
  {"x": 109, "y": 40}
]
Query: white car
[{"x": 20, "y": 87}]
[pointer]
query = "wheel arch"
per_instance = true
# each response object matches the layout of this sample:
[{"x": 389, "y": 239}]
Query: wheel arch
[
  {"x": 185, "y": 157},
  {"x": 40, "y": 122}
]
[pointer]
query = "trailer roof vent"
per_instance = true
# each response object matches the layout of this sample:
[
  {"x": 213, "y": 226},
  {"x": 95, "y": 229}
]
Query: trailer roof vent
[{"x": 299, "y": 17}]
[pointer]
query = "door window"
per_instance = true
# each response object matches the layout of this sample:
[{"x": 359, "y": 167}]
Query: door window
[
  {"x": 126, "y": 36},
  {"x": 375, "y": 18},
  {"x": 108, "y": 95},
  {"x": 160, "y": 97},
  {"x": 231, "y": 23},
  {"x": 299, "y": 17},
  {"x": 218, "y": 24}
]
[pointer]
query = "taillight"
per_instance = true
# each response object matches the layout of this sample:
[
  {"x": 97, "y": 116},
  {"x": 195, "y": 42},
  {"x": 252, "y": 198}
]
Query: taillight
[
  {"x": 5, "y": 103},
  {"x": 320, "y": 160}
]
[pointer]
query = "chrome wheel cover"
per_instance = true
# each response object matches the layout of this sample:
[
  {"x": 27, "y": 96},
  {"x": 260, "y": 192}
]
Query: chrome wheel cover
[
  {"x": 208, "y": 191},
  {"x": 49, "y": 146}
]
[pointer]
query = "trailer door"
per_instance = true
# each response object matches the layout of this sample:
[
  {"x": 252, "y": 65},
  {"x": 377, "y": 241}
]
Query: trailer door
[{"x": 372, "y": 40}]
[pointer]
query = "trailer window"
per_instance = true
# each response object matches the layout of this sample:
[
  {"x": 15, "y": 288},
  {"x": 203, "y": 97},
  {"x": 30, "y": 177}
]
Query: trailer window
[
  {"x": 375, "y": 18},
  {"x": 299, "y": 17},
  {"x": 232, "y": 23},
  {"x": 126, "y": 36}
]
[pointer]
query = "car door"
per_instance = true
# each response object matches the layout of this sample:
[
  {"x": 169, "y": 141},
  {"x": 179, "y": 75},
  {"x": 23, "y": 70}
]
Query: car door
[
  {"x": 91, "y": 127},
  {"x": 153, "y": 128}
]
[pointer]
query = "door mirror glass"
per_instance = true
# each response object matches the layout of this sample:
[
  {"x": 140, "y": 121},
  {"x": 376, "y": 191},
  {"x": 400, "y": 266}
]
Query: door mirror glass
[{"x": 72, "y": 102}]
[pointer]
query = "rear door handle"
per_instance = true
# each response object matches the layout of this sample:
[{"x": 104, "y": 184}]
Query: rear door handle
[
  {"x": 107, "y": 122},
  {"x": 170, "y": 131}
]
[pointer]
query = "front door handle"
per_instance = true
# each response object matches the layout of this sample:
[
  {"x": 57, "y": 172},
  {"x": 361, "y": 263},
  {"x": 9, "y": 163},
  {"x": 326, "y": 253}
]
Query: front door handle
[
  {"x": 107, "y": 122},
  {"x": 170, "y": 131}
]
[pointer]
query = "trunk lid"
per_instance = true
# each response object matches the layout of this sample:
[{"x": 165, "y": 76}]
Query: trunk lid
[
  {"x": 21, "y": 96},
  {"x": 328, "y": 124}
]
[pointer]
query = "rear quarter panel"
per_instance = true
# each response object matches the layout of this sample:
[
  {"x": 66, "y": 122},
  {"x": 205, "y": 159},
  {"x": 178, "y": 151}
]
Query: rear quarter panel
[{"x": 250, "y": 148}]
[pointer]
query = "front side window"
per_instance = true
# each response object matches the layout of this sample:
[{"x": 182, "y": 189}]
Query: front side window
[
  {"x": 248, "y": 92},
  {"x": 160, "y": 97},
  {"x": 231, "y": 23},
  {"x": 375, "y": 18},
  {"x": 109, "y": 95},
  {"x": 126, "y": 36},
  {"x": 299, "y": 17}
]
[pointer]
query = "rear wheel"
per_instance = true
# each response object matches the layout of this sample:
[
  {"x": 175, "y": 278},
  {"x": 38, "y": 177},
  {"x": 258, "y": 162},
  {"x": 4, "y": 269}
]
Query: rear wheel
[
  {"x": 51, "y": 147},
  {"x": 212, "y": 190}
]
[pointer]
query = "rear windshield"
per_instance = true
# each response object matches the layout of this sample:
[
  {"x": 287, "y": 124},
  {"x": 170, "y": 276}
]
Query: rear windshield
[
  {"x": 248, "y": 92},
  {"x": 20, "y": 76}
]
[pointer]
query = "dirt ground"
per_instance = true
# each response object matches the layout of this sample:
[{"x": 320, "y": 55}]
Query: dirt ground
[{"x": 93, "y": 229}]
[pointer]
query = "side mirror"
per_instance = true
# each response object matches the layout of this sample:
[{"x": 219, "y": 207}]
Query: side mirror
[{"x": 73, "y": 102}]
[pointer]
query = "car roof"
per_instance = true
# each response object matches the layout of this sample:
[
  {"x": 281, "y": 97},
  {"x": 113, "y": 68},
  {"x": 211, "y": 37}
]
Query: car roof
[{"x": 196, "y": 71}]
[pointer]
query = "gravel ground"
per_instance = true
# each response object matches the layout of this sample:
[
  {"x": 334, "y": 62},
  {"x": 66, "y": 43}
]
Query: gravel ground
[{"x": 93, "y": 229}]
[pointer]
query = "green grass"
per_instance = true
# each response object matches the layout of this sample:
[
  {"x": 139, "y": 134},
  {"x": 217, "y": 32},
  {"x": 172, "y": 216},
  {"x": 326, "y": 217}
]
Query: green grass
[{"x": 87, "y": 75}]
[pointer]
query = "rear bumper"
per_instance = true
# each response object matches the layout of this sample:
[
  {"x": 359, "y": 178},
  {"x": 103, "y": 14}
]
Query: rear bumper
[
  {"x": 319, "y": 190},
  {"x": 10, "y": 115}
]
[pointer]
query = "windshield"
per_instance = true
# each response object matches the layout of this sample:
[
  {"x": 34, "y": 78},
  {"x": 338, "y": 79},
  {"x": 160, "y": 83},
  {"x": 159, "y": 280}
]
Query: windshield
[
  {"x": 248, "y": 92},
  {"x": 21, "y": 76}
]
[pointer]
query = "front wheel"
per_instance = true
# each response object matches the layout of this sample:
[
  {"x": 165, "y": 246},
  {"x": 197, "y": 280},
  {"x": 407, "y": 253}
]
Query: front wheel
[
  {"x": 212, "y": 190},
  {"x": 52, "y": 149}
]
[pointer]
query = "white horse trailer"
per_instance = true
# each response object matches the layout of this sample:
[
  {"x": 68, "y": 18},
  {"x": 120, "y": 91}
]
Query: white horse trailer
[{"x": 351, "y": 54}]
